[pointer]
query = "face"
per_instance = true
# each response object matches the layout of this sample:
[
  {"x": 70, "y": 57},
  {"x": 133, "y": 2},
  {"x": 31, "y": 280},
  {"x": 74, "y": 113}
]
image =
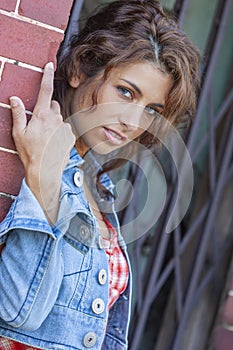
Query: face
[{"x": 128, "y": 101}]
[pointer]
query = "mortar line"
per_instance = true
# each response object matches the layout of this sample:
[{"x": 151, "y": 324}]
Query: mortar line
[
  {"x": 31, "y": 21},
  {"x": 7, "y": 150},
  {"x": 2, "y": 67},
  {"x": 7, "y": 195},
  {"x": 17, "y": 7},
  {"x": 227, "y": 326},
  {"x": 21, "y": 64},
  {"x": 5, "y": 105}
]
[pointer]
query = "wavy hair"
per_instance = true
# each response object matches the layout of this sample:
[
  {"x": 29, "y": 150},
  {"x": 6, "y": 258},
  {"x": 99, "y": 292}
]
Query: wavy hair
[{"x": 124, "y": 32}]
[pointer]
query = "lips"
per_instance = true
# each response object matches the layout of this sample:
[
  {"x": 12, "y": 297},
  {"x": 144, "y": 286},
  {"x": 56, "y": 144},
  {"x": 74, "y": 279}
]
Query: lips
[{"x": 114, "y": 136}]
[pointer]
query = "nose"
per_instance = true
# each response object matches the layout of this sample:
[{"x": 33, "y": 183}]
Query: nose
[{"x": 127, "y": 125}]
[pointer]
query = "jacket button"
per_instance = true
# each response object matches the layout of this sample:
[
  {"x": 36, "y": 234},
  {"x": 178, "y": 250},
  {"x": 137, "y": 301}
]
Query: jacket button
[
  {"x": 98, "y": 306},
  {"x": 84, "y": 232},
  {"x": 78, "y": 178},
  {"x": 102, "y": 276},
  {"x": 89, "y": 340}
]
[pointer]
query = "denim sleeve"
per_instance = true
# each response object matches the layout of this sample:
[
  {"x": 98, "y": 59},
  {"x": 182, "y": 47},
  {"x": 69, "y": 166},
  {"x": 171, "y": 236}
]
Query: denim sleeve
[{"x": 31, "y": 264}]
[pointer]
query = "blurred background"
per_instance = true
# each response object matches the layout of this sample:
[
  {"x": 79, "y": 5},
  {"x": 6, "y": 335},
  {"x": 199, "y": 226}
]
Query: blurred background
[{"x": 183, "y": 280}]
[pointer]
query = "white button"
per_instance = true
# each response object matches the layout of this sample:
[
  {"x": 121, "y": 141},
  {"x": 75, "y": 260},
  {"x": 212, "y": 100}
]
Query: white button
[
  {"x": 102, "y": 276},
  {"x": 84, "y": 232},
  {"x": 78, "y": 178},
  {"x": 89, "y": 340},
  {"x": 98, "y": 306}
]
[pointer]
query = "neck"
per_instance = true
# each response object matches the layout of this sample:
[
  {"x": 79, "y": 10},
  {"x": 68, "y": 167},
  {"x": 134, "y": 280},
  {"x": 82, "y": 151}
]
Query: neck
[{"x": 81, "y": 147}]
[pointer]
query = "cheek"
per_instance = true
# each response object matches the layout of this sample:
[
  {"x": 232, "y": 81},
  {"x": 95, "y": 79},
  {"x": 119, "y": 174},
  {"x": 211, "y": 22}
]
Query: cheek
[
  {"x": 139, "y": 132},
  {"x": 108, "y": 94},
  {"x": 135, "y": 134}
]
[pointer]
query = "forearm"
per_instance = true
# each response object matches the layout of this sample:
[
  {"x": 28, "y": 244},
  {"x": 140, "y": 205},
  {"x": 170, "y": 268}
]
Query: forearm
[{"x": 46, "y": 189}]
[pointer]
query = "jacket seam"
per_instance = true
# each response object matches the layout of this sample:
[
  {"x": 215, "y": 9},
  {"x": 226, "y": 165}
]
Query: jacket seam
[
  {"x": 115, "y": 339},
  {"x": 41, "y": 340}
]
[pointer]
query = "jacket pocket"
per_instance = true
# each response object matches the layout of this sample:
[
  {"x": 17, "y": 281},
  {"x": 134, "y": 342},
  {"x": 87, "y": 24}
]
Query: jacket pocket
[{"x": 76, "y": 267}]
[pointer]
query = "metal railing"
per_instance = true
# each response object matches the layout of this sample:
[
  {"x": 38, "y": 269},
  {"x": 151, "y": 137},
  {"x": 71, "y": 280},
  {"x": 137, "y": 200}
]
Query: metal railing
[{"x": 183, "y": 268}]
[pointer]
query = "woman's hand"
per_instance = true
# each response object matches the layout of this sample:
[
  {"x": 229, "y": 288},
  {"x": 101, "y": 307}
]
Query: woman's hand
[{"x": 43, "y": 144}]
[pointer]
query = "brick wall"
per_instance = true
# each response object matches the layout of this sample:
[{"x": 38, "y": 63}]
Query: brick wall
[
  {"x": 31, "y": 32},
  {"x": 223, "y": 330}
]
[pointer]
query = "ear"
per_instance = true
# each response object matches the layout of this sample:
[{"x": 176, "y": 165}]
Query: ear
[{"x": 74, "y": 82}]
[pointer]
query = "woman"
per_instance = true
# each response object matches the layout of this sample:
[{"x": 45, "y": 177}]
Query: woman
[{"x": 65, "y": 278}]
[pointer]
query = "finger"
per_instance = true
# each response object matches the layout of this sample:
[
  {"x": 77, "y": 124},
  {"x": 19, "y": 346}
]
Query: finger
[
  {"x": 46, "y": 88},
  {"x": 18, "y": 113},
  {"x": 55, "y": 107}
]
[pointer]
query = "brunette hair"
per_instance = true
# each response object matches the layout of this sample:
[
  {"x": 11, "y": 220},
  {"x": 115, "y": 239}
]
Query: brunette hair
[{"x": 124, "y": 32}]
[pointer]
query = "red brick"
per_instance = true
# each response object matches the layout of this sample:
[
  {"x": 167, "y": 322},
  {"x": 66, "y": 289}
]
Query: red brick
[
  {"x": 8, "y": 5},
  {"x": 55, "y": 13},
  {"x": 22, "y": 82},
  {"x": 5, "y": 204},
  {"x": 227, "y": 315},
  {"x": 6, "y": 139},
  {"x": 223, "y": 339},
  {"x": 31, "y": 44},
  {"x": 12, "y": 173}
]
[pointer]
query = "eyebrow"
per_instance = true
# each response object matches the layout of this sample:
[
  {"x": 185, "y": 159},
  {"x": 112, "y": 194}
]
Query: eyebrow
[{"x": 135, "y": 87}]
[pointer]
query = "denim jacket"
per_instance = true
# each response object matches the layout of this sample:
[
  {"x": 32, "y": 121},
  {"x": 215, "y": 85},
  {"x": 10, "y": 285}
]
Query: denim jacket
[{"x": 54, "y": 284}]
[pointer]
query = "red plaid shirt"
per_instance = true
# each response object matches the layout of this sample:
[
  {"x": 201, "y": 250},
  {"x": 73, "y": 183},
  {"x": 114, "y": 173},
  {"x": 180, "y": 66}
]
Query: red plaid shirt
[
  {"x": 118, "y": 280},
  {"x": 8, "y": 344},
  {"x": 118, "y": 266}
]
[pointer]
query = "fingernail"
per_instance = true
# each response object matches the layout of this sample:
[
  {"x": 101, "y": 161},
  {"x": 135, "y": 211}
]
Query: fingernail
[
  {"x": 50, "y": 65},
  {"x": 14, "y": 102}
]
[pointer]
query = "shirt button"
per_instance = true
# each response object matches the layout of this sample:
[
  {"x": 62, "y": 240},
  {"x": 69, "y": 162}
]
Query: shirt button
[
  {"x": 78, "y": 178},
  {"x": 102, "y": 276},
  {"x": 89, "y": 340},
  {"x": 98, "y": 306}
]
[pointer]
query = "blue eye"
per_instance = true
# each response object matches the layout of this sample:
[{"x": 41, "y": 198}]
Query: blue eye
[
  {"x": 125, "y": 92},
  {"x": 151, "y": 111}
]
